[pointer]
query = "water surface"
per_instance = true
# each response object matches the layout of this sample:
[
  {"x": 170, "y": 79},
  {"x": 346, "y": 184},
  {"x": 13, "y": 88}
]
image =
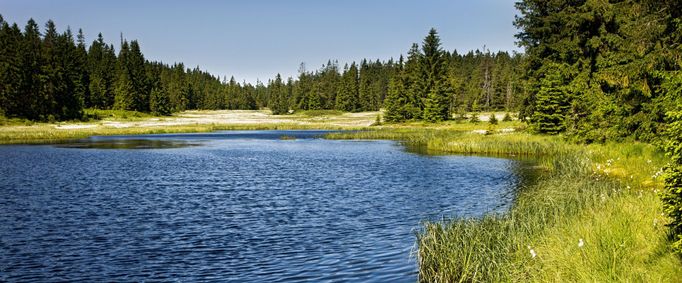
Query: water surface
[{"x": 244, "y": 206}]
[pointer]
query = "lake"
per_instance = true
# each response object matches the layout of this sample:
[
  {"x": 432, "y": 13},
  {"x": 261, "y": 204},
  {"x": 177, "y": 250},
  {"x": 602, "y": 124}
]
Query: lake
[{"x": 241, "y": 206}]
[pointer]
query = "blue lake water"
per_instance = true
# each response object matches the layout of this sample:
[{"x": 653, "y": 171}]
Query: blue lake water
[{"x": 238, "y": 206}]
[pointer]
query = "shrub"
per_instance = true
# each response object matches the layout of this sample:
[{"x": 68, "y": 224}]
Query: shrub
[
  {"x": 474, "y": 118},
  {"x": 672, "y": 194},
  {"x": 493, "y": 119},
  {"x": 507, "y": 117},
  {"x": 377, "y": 122}
]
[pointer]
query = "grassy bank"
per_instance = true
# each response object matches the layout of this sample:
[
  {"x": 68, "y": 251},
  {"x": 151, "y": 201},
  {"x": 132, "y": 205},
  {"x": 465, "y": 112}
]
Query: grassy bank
[
  {"x": 47, "y": 133},
  {"x": 118, "y": 122},
  {"x": 593, "y": 215}
]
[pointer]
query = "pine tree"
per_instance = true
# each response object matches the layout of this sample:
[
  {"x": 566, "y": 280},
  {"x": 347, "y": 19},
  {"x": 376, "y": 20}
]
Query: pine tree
[
  {"x": 124, "y": 89},
  {"x": 278, "y": 99},
  {"x": 175, "y": 88},
  {"x": 159, "y": 102},
  {"x": 70, "y": 96},
  {"x": 135, "y": 64},
  {"x": 53, "y": 80},
  {"x": 124, "y": 92},
  {"x": 315, "y": 97},
  {"x": 434, "y": 69},
  {"x": 672, "y": 194},
  {"x": 347, "y": 98},
  {"x": 10, "y": 69},
  {"x": 97, "y": 87},
  {"x": 493, "y": 119},
  {"x": 397, "y": 101},
  {"x": 551, "y": 104},
  {"x": 413, "y": 83},
  {"x": 365, "y": 94},
  {"x": 81, "y": 74}
]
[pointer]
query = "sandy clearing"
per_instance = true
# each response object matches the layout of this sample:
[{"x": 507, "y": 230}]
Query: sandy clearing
[
  {"x": 75, "y": 126},
  {"x": 235, "y": 117}
]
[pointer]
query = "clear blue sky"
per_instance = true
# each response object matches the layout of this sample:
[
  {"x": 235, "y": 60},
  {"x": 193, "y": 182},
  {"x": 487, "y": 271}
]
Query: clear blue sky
[{"x": 253, "y": 39}]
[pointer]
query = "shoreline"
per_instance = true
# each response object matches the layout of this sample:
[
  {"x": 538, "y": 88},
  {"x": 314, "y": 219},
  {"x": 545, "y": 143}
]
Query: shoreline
[
  {"x": 604, "y": 196},
  {"x": 133, "y": 123}
]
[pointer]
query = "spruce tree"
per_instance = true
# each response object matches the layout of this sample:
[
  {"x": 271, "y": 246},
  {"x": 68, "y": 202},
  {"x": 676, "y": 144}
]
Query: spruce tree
[
  {"x": 97, "y": 88},
  {"x": 52, "y": 79},
  {"x": 397, "y": 102},
  {"x": 70, "y": 99},
  {"x": 314, "y": 98},
  {"x": 123, "y": 92},
  {"x": 672, "y": 193},
  {"x": 551, "y": 104},
  {"x": 413, "y": 83},
  {"x": 278, "y": 100},
  {"x": 124, "y": 89},
  {"x": 347, "y": 98},
  {"x": 10, "y": 69},
  {"x": 135, "y": 64},
  {"x": 159, "y": 102},
  {"x": 81, "y": 74},
  {"x": 366, "y": 97},
  {"x": 433, "y": 69}
]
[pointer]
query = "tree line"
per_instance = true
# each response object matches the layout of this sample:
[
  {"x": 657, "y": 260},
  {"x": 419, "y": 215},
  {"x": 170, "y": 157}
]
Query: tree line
[
  {"x": 608, "y": 71},
  {"x": 51, "y": 76},
  {"x": 601, "y": 70}
]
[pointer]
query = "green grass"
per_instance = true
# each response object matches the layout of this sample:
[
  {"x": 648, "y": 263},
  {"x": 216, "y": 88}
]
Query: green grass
[
  {"x": 47, "y": 133},
  {"x": 99, "y": 114},
  {"x": 602, "y": 194},
  {"x": 104, "y": 122},
  {"x": 317, "y": 113}
]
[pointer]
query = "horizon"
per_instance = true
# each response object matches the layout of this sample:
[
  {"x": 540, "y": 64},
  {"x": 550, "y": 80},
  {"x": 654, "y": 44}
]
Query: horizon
[{"x": 240, "y": 45}]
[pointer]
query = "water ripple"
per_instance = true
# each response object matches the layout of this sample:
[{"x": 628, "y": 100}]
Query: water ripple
[{"x": 244, "y": 207}]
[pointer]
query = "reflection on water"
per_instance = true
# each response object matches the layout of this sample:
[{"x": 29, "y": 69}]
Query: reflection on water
[
  {"x": 242, "y": 206},
  {"x": 128, "y": 144}
]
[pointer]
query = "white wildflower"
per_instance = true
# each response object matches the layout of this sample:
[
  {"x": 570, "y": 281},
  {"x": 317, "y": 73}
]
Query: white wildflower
[
  {"x": 532, "y": 253},
  {"x": 581, "y": 243}
]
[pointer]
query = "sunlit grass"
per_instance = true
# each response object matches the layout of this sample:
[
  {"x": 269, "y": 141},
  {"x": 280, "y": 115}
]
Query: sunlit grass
[
  {"x": 602, "y": 194},
  {"x": 120, "y": 115},
  {"x": 119, "y": 122},
  {"x": 47, "y": 133}
]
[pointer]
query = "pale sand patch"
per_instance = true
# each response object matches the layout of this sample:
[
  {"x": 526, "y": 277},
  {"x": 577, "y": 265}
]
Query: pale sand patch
[
  {"x": 117, "y": 124},
  {"x": 75, "y": 126},
  {"x": 486, "y": 117},
  {"x": 236, "y": 117}
]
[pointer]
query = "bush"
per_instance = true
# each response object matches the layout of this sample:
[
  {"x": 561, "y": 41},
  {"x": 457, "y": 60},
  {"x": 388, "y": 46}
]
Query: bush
[
  {"x": 377, "y": 122},
  {"x": 672, "y": 194},
  {"x": 474, "y": 118},
  {"x": 507, "y": 117},
  {"x": 493, "y": 119}
]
